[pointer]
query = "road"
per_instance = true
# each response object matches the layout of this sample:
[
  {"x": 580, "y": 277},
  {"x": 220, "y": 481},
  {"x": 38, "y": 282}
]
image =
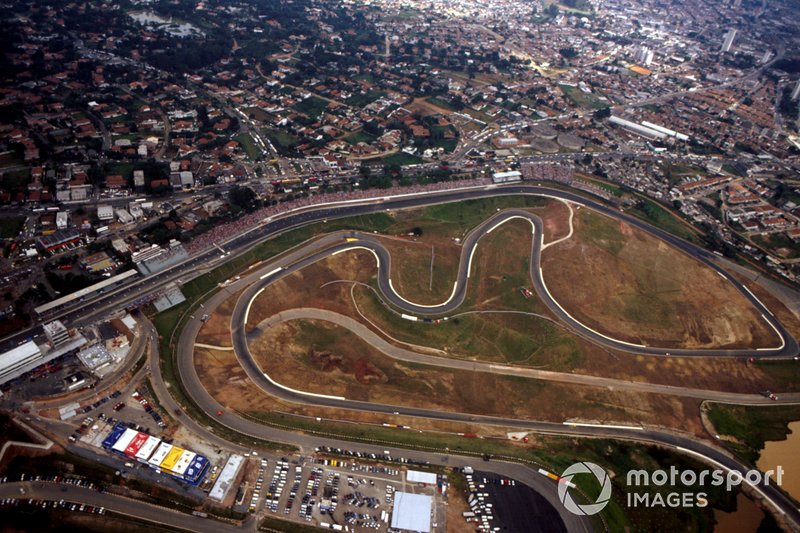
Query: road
[
  {"x": 409, "y": 356},
  {"x": 208, "y": 404},
  {"x": 527, "y": 474},
  {"x": 786, "y": 346},
  {"x": 195, "y": 265},
  {"x": 202, "y": 398},
  {"x": 113, "y": 503}
]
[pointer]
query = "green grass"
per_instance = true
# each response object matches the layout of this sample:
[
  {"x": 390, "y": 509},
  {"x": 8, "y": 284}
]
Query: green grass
[
  {"x": 11, "y": 226},
  {"x": 361, "y": 136},
  {"x": 439, "y": 102},
  {"x": 582, "y": 99},
  {"x": 775, "y": 241},
  {"x": 282, "y": 138},
  {"x": 249, "y": 146},
  {"x": 785, "y": 375},
  {"x": 364, "y": 99},
  {"x": 123, "y": 169},
  {"x": 599, "y": 231},
  {"x": 752, "y": 426},
  {"x": 401, "y": 158},
  {"x": 15, "y": 179},
  {"x": 659, "y": 216},
  {"x": 313, "y": 106}
]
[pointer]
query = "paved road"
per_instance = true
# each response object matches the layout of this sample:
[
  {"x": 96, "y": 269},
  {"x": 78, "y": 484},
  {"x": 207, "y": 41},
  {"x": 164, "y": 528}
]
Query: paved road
[
  {"x": 401, "y": 354},
  {"x": 201, "y": 397},
  {"x": 680, "y": 443},
  {"x": 785, "y": 345},
  {"x": 84, "y": 312},
  {"x": 114, "y": 503}
]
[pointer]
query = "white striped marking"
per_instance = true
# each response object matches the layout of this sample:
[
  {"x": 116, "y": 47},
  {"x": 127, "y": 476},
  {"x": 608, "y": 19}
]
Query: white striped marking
[
  {"x": 609, "y": 426},
  {"x": 268, "y": 274},
  {"x": 284, "y": 387},
  {"x": 377, "y": 259}
]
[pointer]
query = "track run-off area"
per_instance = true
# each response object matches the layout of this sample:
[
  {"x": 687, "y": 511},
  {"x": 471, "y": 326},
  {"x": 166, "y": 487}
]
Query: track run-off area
[{"x": 255, "y": 282}]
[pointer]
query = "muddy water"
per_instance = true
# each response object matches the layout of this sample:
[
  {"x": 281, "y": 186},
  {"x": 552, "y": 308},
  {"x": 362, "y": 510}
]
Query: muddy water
[
  {"x": 784, "y": 453},
  {"x": 745, "y": 519}
]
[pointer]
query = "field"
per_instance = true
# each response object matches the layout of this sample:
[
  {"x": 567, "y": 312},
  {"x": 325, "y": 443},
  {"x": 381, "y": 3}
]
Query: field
[
  {"x": 335, "y": 361},
  {"x": 321, "y": 356},
  {"x": 747, "y": 428},
  {"x": 15, "y": 179},
  {"x": 636, "y": 288},
  {"x": 779, "y": 244},
  {"x": 361, "y": 136},
  {"x": 436, "y": 234},
  {"x": 582, "y": 99},
  {"x": 364, "y": 99},
  {"x": 313, "y": 106},
  {"x": 249, "y": 146},
  {"x": 11, "y": 226},
  {"x": 401, "y": 158}
]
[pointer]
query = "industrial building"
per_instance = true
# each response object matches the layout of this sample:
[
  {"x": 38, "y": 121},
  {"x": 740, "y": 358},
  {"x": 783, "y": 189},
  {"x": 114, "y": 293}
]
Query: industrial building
[
  {"x": 19, "y": 360},
  {"x": 644, "y": 131},
  {"x": 155, "y": 259},
  {"x": 105, "y": 213},
  {"x": 507, "y": 177},
  {"x": 412, "y": 512},
  {"x": 78, "y": 296},
  {"x": 728, "y": 43},
  {"x": 56, "y": 333},
  {"x": 226, "y": 478},
  {"x": 59, "y": 240}
]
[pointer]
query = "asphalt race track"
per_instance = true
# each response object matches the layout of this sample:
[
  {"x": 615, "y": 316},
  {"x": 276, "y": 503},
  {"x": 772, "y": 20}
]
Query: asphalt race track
[
  {"x": 317, "y": 251},
  {"x": 300, "y": 258}
]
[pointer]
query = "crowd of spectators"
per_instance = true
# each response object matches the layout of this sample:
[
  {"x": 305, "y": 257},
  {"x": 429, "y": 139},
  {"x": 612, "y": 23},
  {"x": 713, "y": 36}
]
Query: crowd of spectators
[{"x": 226, "y": 231}]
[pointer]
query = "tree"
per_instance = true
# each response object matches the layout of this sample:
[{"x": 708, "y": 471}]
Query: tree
[
  {"x": 553, "y": 10},
  {"x": 602, "y": 113},
  {"x": 243, "y": 198}
]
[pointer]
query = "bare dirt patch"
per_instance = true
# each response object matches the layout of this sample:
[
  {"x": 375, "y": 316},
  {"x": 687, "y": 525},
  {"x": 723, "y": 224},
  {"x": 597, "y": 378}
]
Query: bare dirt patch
[
  {"x": 290, "y": 354},
  {"x": 632, "y": 286},
  {"x": 424, "y": 265}
]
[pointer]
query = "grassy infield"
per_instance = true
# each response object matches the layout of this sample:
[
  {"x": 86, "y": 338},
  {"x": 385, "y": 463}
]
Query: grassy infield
[{"x": 554, "y": 453}]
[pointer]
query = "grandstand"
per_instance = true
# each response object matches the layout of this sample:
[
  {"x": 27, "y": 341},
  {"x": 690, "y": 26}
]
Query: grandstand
[{"x": 89, "y": 292}]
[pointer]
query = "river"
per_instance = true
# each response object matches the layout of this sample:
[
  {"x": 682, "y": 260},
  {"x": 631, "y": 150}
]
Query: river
[
  {"x": 745, "y": 519},
  {"x": 784, "y": 453}
]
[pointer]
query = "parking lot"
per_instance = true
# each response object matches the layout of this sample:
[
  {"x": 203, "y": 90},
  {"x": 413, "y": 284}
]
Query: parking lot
[{"x": 333, "y": 493}]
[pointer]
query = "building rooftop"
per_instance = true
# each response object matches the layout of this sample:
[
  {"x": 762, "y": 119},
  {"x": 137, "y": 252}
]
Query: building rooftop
[{"x": 412, "y": 512}]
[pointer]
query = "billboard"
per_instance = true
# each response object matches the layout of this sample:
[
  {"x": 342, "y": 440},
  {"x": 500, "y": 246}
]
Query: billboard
[
  {"x": 124, "y": 440},
  {"x": 161, "y": 452},
  {"x": 133, "y": 446},
  {"x": 183, "y": 463},
  {"x": 114, "y": 436},
  {"x": 172, "y": 457},
  {"x": 147, "y": 449}
]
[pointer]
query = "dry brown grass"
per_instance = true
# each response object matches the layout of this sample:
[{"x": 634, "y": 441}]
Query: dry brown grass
[{"x": 634, "y": 287}]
